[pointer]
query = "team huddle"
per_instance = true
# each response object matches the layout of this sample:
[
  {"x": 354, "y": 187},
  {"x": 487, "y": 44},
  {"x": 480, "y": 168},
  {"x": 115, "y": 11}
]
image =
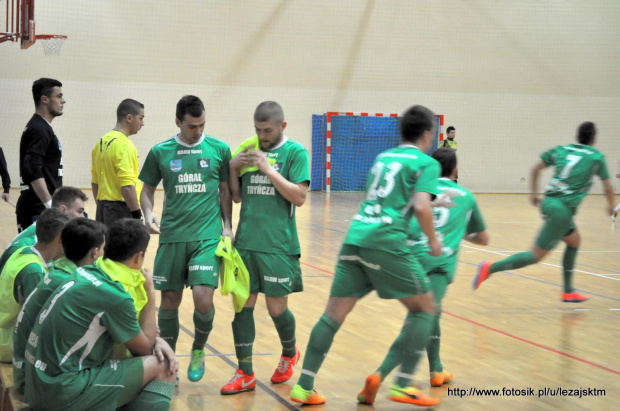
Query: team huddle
[{"x": 77, "y": 311}]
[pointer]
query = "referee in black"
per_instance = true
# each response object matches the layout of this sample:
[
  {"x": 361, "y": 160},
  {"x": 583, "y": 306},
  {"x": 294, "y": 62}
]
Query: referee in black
[{"x": 40, "y": 154}]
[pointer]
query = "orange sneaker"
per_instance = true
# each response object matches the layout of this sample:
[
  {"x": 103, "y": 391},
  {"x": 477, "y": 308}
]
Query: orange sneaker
[
  {"x": 286, "y": 368},
  {"x": 368, "y": 394},
  {"x": 573, "y": 297},
  {"x": 483, "y": 273},
  {"x": 440, "y": 378},
  {"x": 411, "y": 395},
  {"x": 240, "y": 382},
  {"x": 306, "y": 397}
]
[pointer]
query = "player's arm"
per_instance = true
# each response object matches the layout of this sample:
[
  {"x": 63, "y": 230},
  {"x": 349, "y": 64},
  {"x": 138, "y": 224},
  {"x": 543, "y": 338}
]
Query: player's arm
[
  {"x": 609, "y": 196},
  {"x": 6, "y": 178},
  {"x": 147, "y": 199},
  {"x": 481, "y": 238},
  {"x": 26, "y": 282},
  {"x": 618, "y": 172},
  {"x": 226, "y": 208},
  {"x": 293, "y": 192},
  {"x": 144, "y": 343},
  {"x": 32, "y": 166},
  {"x": 234, "y": 181},
  {"x": 534, "y": 177},
  {"x": 125, "y": 161},
  {"x": 95, "y": 188}
]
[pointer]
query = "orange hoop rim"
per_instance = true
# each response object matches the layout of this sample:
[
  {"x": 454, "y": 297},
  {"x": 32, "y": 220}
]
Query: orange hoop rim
[{"x": 49, "y": 36}]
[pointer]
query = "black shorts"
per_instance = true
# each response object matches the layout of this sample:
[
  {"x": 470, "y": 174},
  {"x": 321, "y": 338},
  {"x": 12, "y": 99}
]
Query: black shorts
[
  {"x": 110, "y": 211},
  {"x": 27, "y": 211}
]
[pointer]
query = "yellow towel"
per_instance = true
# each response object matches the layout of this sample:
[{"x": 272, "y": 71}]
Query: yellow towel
[
  {"x": 131, "y": 280},
  {"x": 255, "y": 144},
  {"x": 234, "y": 277}
]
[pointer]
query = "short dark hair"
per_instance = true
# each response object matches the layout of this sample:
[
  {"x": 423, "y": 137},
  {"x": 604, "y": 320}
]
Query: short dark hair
[
  {"x": 66, "y": 195},
  {"x": 43, "y": 87},
  {"x": 80, "y": 235},
  {"x": 449, "y": 129},
  {"x": 446, "y": 157},
  {"x": 126, "y": 237},
  {"x": 191, "y": 105},
  {"x": 586, "y": 133},
  {"x": 128, "y": 106},
  {"x": 415, "y": 121},
  {"x": 269, "y": 110},
  {"x": 50, "y": 224}
]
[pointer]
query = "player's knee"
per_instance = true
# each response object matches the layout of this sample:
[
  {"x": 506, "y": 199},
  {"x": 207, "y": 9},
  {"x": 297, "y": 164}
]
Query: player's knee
[
  {"x": 155, "y": 370},
  {"x": 276, "y": 306},
  {"x": 171, "y": 300}
]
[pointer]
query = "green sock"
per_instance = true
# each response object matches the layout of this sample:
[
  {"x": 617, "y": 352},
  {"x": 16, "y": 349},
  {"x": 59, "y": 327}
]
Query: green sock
[
  {"x": 568, "y": 264},
  {"x": 203, "y": 324},
  {"x": 168, "y": 323},
  {"x": 285, "y": 325},
  {"x": 513, "y": 262},
  {"x": 432, "y": 349},
  {"x": 419, "y": 332},
  {"x": 155, "y": 396},
  {"x": 320, "y": 341},
  {"x": 439, "y": 283},
  {"x": 244, "y": 332}
]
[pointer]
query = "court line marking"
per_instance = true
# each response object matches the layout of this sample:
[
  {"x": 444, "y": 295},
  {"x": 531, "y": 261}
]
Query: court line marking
[
  {"x": 542, "y": 262},
  {"x": 553, "y": 350},
  {"x": 522, "y": 339},
  {"x": 222, "y": 355}
]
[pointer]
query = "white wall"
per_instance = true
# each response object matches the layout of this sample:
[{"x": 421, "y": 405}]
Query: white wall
[{"x": 514, "y": 78}]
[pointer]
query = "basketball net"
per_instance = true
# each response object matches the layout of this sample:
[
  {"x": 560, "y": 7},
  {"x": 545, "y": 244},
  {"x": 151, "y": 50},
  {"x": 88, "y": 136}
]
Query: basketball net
[{"x": 52, "y": 44}]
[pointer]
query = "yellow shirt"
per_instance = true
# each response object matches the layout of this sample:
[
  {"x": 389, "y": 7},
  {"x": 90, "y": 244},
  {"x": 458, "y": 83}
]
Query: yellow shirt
[{"x": 114, "y": 165}]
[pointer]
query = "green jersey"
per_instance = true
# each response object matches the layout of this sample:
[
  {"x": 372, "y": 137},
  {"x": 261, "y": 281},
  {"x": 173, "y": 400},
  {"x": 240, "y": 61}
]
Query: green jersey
[
  {"x": 451, "y": 224},
  {"x": 25, "y": 320},
  {"x": 75, "y": 330},
  {"x": 267, "y": 220},
  {"x": 382, "y": 222},
  {"x": 25, "y": 238},
  {"x": 575, "y": 168},
  {"x": 191, "y": 176}
]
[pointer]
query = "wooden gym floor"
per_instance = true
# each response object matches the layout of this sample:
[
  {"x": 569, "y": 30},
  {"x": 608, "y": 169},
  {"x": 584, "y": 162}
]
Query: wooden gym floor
[{"x": 513, "y": 333}]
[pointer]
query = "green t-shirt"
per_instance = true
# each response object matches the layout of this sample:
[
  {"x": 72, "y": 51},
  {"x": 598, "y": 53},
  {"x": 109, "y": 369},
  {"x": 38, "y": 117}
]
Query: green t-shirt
[
  {"x": 28, "y": 278},
  {"x": 25, "y": 320},
  {"x": 575, "y": 168},
  {"x": 191, "y": 176},
  {"x": 267, "y": 220},
  {"x": 75, "y": 330},
  {"x": 451, "y": 224},
  {"x": 382, "y": 221},
  {"x": 25, "y": 238}
]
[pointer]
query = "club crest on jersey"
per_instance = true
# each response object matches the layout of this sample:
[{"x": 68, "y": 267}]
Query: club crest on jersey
[
  {"x": 175, "y": 165},
  {"x": 278, "y": 167},
  {"x": 204, "y": 163}
]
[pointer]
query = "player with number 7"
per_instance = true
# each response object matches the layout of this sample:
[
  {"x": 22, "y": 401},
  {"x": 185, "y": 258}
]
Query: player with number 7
[{"x": 575, "y": 167}]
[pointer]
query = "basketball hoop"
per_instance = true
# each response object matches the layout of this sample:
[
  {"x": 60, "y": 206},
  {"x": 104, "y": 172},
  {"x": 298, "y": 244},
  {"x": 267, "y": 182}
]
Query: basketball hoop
[{"x": 52, "y": 43}]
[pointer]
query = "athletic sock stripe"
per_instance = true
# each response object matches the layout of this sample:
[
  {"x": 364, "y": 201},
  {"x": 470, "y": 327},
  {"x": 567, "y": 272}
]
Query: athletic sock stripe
[{"x": 310, "y": 373}]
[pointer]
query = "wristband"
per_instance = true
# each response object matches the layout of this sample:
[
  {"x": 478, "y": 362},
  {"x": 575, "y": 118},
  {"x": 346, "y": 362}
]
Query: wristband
[
  {"x": 48, "y": 203},
  {"x": 137, "y": 214}
]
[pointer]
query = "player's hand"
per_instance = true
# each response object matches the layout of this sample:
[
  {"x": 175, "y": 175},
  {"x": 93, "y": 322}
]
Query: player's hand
[
  {"x": 152, "y": 223},
  {"x": 259, "y": 158},
  {"x": 241, "y": 159},
  {"x": 227, "y": 232},
  {"x": 148, "y": 278},
  {"x": 435, "y": 247},
  {"x": 6, "y": 197},
  {"x": 535, "y": 200},
  {"x": 163, "y": 352}
]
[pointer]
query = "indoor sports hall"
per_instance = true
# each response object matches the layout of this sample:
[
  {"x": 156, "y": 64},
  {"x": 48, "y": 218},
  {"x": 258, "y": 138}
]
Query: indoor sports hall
[{"x": 513, "y": 78}]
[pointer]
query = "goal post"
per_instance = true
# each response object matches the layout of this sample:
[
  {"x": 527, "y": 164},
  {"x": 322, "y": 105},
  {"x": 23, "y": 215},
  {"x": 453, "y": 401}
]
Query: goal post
[{"x": 345, "y": 144}]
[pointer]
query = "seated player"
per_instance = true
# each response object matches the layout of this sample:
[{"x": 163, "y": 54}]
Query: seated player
[
  {"x": 67, "y": 350},
  {"x": 82, "y": 242},
  {"x": 23, "y": 271},
  {"x": 575, "y": 167},
  {"x": 66, "y": 199},
  {"x": 462, "y": 220}
]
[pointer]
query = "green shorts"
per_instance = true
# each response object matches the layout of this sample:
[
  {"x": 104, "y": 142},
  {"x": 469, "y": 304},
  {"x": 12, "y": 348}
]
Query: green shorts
[
  {"x": 180, "y": 265},
  {"x": 393, "y": 276},
  {"x": 275, "y": 275},
  {"x": 558, "y": 223},
  {"x": 106, "y": 387}
]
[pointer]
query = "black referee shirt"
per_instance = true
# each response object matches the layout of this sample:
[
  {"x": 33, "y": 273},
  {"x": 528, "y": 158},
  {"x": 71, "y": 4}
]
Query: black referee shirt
[{"x": 40, "y": 156}]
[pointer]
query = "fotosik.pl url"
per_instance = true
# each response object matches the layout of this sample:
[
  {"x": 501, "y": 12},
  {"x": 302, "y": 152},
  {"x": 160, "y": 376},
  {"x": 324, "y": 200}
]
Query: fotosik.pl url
[{"x": 526, "y": 392}]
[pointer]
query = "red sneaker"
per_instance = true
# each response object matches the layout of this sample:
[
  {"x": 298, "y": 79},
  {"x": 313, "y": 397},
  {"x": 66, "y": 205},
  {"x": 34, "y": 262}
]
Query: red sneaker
[
  {"x": 573, "y": 297},
  {"x": 440, "y": 378},
  {"x": 368, "y": 394},
  {"x": 483, "y": 273},
  {"x": 286, "y": 368},
  {"x": 240, "y": 382}
]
